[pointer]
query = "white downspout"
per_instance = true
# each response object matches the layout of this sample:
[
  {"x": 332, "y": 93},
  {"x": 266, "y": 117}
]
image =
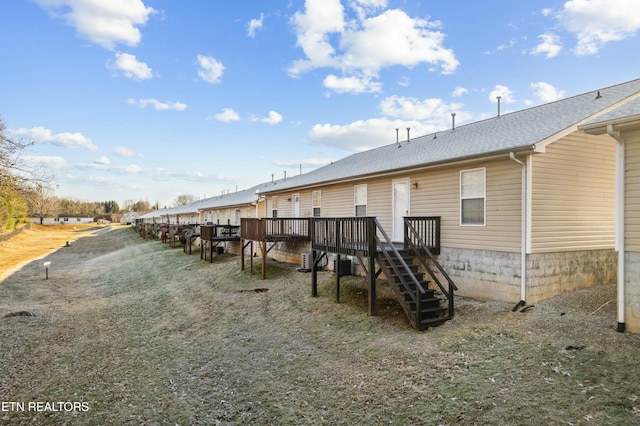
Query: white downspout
[
  {"x": 620, "y": 229},
  {"x": 523, "y": 230}
]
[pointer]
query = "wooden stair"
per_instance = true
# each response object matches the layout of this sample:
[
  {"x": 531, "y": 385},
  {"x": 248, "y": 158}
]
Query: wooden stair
[{"x": 401, "y": 280}]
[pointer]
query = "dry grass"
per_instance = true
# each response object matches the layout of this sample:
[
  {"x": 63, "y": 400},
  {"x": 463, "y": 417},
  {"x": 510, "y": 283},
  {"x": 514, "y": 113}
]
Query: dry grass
[
  {"x": 36, "y": 243},
  {"x": 144, "y": 334}
]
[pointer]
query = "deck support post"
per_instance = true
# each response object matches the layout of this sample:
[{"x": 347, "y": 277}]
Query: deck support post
[
  {"x": 372, "y": 285},
  {"x": 314, "y": 274},
  {"x": 251, "y": 257},
  {"x": 337, "y": 271},
  {"x": 243, "y": 247},
  {"x": 263, "y": 250}
]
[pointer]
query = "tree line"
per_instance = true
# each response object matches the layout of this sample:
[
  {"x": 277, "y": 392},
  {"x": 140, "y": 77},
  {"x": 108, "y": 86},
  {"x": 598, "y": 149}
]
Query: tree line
[{"x": 26, "y": 191}]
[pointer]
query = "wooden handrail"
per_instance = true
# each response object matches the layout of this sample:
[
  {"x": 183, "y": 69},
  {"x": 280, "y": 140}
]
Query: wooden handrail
[{"x": 415, "y": 243}]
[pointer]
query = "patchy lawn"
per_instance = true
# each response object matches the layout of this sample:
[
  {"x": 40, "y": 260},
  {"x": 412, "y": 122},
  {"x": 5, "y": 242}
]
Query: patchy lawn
[{"x": 132, "y": 331}]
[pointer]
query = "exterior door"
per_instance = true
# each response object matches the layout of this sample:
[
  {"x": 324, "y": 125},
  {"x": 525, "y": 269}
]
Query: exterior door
[
  {"x": 296, "y": 205},
  {"x": 400, "y": 208},
  {"x": 295, "y": 202}
]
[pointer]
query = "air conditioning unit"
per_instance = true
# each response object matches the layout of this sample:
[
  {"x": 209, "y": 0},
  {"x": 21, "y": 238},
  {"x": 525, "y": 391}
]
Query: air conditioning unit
[
  {"x": 306, "y": 260},
  {"x": 344, "y": 269}
]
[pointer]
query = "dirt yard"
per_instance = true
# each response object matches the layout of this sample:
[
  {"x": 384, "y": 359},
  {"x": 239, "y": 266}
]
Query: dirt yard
[{"x": 128, "y": 331}]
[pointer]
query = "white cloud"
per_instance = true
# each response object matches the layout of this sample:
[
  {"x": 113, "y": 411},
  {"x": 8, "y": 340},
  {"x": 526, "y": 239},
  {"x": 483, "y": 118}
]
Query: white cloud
[
  {"x": 107, "y": 23},
  {"x": 210, "y": 70},
  {"x": 366, "y": 44},
  {"x": 65, "y": 139},
  {"x": 597, "y": 22},
  {"x": 253, "y": 25},
  {"x": 273, "y": 118},
  {"x": 362, "y": 135},
  {"x": 351, "y": 84},
  {"x": 131, "y": 67},
  {"x": 143, "y": 103},
  {"x": 227, "y": 115},
  {"x": 459, "y": 91},
  {"x": 321, "y": 19},
  {"x": 121, "y": 151},
  {"x": 307, "y": 163},
  {"x": 549, "y": 46},
  {"x": 47, "y": 161},
  {"x": 104, "y": 161},
  {"x": 546, "y": 12},
  {"x": 432, "y": 111},
  {"x": 546, "y": 92},
  {"x": 129, "y": 169},
  {"x": 506, "y": 95},
  {"x": 421, "y": 116}
]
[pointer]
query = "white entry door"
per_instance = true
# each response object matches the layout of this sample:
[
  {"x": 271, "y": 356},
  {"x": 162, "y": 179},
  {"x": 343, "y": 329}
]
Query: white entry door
[
  {"x": 295, "y": 227},
  {"x": 400, "y": 208}
]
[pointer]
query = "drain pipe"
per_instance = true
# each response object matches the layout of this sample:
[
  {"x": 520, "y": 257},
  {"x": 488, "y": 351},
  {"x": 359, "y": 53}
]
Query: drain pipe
[
  {"x": 620, "y": 228},
  {"x": 523, "y": 232}
]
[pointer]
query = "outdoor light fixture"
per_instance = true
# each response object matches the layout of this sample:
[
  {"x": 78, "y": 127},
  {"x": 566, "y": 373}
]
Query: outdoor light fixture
[{"x": 46, "y": 270}]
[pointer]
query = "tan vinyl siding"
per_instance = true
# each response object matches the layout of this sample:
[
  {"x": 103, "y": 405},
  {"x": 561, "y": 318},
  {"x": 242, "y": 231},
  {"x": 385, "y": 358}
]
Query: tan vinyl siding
[
  {"x": 632, "y": 191},
  {"x": 437, "y": 194},
  {"x": 573, "y": 195}
]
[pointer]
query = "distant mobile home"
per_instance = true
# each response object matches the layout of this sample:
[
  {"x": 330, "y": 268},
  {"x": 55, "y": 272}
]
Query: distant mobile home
[{"x": 63, "y": 219}]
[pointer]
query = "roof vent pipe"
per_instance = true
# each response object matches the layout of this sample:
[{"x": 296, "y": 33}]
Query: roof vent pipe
[
  {"x": 598, "y": 95},
  {"x": 397, "y": 137},
  {"x": 453, "y": 121},
  {"x": 408, "y": 129},
  {"x": 285, "y": 175},
  {"x": 498, "y": 98},
  {"x": 300, "y": 168},
  {"x": 272, "y": 177}
]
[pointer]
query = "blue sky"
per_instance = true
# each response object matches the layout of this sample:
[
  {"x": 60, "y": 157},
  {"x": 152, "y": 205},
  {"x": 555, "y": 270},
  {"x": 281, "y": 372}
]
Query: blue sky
[{"x": 150, "y": 99}]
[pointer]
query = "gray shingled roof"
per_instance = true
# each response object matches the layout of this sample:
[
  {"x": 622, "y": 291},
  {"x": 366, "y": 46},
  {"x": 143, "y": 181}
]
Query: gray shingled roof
[
  {"x": 515, "y": 131},
  {"x": 244, "y": 197},
  {"x": 630, "y": 110}
]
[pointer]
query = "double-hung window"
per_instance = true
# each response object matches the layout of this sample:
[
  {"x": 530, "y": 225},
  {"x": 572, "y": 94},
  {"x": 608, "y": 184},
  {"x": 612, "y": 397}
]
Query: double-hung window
[
  {"x": 274, "y": 207},
  {"x": 360, "y": 200},
  {"x": 473, "y": 197},
  {"x": 316, "y": 202}
]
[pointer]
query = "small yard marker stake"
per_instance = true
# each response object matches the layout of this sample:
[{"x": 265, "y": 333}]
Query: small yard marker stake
[{"x": 46, "y": 270}]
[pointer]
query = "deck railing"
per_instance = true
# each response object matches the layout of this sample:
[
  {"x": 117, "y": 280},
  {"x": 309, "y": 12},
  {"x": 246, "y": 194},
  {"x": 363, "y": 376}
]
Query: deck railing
[
  {"x": 344, "y": 235},
  {"x": 275, "y": 229},
  {"x": 414, "y": 241},
  {"x": 356, "y": 235},
  {"x": 424, "y": 230}
]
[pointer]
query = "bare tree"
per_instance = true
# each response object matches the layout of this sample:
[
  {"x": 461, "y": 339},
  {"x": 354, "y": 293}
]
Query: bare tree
[
  {"x": 16, "y": 179},
  {"x": 183, "y": 200},
  {"x": 42, "y": 202},
  {"x": 14, "y": 172}
]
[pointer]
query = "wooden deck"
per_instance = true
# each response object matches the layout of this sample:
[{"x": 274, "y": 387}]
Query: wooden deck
[
  {"x": 270, "y": 230},
  {"x": 211, "y": 236}
]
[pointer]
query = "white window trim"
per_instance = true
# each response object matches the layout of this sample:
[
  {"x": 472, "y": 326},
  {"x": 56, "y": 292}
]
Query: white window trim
[
  {"x": 484, "y": 197},
  {"x": 316, "y": 196},
  {"x": 366, "y": 199}
]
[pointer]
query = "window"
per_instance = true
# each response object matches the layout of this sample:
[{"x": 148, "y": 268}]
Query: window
[
  {"x": 360, "y": 199},
  {"x": 472, "y": 197},
  {"x": 274, "y": 207},
  {"x": 316, "y": 198}
]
